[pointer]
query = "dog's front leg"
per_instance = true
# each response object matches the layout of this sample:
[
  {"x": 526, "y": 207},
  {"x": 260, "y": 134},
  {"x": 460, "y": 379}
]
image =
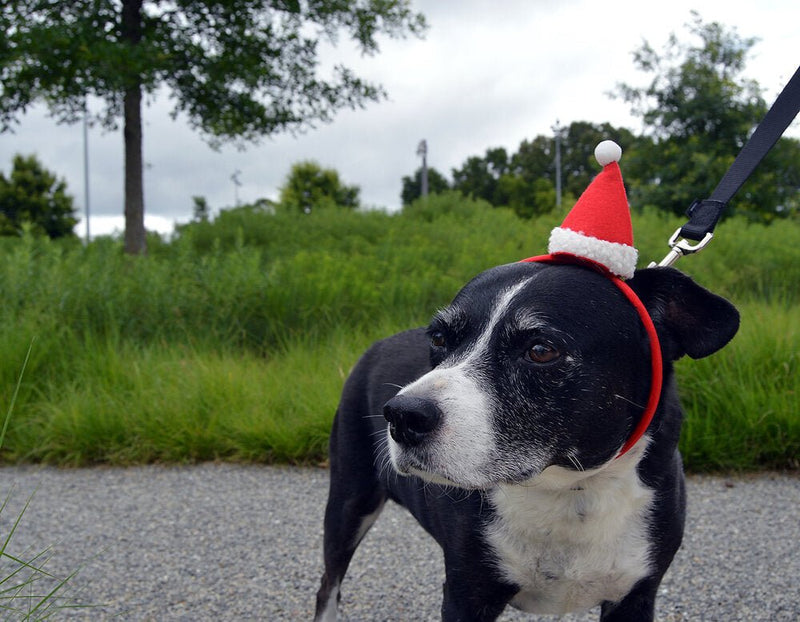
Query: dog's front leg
[
  {"x": 637, "y": 606},
  {"x": 470, "y": 591},
  {"x": 467, "y": 608}
]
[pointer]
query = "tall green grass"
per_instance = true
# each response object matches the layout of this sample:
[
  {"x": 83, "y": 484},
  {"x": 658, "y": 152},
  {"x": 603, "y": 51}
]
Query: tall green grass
[
  {"x": 28, "y": 591},
  {"x": 164, "y": 403},
  {"x": 232, "y": 340},
  {"x": 743, "y": 403}
]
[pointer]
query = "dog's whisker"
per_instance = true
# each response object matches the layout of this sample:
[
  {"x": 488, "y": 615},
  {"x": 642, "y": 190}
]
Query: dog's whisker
[
  {"x": 575, "y": 462},
  {"x": 625, "y": 399}
]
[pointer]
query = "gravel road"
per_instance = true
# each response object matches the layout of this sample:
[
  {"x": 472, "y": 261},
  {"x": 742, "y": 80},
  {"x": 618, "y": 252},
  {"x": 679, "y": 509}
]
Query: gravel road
[{"x": 227, "y": 542}]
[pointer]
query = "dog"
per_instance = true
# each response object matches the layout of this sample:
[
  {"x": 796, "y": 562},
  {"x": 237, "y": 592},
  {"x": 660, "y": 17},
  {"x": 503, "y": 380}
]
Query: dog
[{"x": 499, "y": 427}]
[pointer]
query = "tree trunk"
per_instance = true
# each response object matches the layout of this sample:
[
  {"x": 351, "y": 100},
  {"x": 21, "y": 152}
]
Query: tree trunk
[{"x": 135, "y": 240}]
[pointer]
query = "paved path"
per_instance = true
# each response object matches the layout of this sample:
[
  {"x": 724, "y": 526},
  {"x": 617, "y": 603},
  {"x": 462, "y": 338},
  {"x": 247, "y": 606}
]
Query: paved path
[{"x": 225, "y": 542}]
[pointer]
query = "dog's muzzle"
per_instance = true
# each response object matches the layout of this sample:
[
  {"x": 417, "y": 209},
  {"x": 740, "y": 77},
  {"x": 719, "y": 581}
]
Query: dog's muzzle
[{"x": 411, "y": 419}]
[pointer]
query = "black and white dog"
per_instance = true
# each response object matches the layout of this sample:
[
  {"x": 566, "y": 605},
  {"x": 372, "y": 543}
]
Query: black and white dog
[{"x": 522, "y": 392}]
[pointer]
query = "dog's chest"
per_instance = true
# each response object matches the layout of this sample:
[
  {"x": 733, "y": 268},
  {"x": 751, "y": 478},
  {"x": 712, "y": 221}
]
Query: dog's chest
[{"x": 571, "y": 543}]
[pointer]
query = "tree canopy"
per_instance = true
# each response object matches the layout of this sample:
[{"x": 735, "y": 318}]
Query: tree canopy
[
  {"x": 525, "y": 179},
  {"x": 237, "y": 70},
  {"x": 698, "y": 111},
  {"x": 310, "y": 187},
  {"x": 412, "y": 186},
  {"x": 34, "y": 197}
]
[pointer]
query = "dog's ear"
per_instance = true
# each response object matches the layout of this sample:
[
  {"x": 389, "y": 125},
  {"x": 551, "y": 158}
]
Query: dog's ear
[{"x": 688, "y": 318}]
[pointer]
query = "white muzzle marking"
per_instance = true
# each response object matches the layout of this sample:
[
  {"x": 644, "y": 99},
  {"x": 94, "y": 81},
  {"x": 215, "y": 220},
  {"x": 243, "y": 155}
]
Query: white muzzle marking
[{"x": 464, "y": 446}]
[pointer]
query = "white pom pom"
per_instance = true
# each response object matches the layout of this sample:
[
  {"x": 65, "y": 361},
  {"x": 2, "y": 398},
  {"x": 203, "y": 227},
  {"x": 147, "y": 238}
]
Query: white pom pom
[{"x": 607, "y": 152}]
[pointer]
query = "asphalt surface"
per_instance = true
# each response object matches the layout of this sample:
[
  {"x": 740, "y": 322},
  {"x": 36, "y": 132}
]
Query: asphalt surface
[{"x": 226, "y": 542}]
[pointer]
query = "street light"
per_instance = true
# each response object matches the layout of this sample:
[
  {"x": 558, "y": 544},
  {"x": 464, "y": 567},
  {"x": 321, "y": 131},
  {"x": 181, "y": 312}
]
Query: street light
[
  {"x": 86, "y": 166},
  {"x": 422, "y": 150},
  {"x": 236, "y": 184},
  {"x": 557, "y": 131}
]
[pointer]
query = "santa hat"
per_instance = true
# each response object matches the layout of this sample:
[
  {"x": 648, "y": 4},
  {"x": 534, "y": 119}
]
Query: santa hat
[{"x": 599, "y": 227}]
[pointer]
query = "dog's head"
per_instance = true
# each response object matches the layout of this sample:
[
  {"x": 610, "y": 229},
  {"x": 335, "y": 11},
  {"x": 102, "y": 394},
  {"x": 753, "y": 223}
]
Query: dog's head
[{"x": 537, "y": 365}]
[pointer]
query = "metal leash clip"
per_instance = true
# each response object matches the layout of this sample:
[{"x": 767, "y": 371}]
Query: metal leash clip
[{"x": 679, "y": 248}]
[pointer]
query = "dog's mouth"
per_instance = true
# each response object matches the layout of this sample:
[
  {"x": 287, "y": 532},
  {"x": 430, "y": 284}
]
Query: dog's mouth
[
  {"x": 488, "y": 484},
  {"x": 408, "y": 462},
  {"x": 419, "y": 462},
  {"x": 435, "y": 478}
]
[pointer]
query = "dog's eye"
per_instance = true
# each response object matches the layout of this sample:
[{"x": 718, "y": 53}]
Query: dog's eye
[
  {"x": 542, "y": 353},
  {"x": 437, "y": 339}
]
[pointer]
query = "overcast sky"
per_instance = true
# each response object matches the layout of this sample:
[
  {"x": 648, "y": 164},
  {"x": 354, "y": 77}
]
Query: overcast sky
[{"x": 486, "y": 74}]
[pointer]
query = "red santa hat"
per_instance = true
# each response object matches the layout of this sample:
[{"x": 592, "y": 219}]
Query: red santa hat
[{"x": 599, "y": 227}]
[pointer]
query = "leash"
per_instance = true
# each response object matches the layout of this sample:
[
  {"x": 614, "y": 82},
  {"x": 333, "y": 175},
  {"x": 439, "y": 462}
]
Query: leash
[{"x": 704, "y": 214}]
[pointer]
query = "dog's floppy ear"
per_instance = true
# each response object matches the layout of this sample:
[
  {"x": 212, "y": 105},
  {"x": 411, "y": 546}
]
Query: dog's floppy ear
[{"x": 688, "y": 318}]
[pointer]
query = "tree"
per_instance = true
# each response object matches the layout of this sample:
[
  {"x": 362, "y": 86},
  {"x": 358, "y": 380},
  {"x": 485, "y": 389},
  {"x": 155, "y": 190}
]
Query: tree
[
  {"x": 527, "y": 199},
  {"x": 412, "y": 186},
  {"x": 525, "y": 180},
  {"x": 238, "y": 70},
  {"x": 34, "y": 196},
  {"x": 478, "y": 177},
  {"x": 698, "y": 112},
  {"x": 201, "y": 209},
  {"x": 578, "y": 163},
  {"x": 310, "y": 187},
  {"x": 534, "y": 159}
]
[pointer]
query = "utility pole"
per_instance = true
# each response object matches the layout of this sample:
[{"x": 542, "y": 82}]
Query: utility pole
[
  {"x": 422, "y": 150},
  {"x": 557, "y": 132},
  {"x": 86, "y": 167},
  {"x": 236, "y": 184}
]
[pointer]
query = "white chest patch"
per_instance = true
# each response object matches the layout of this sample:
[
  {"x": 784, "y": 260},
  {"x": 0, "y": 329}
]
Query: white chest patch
[{"x": 572, "y": 540}]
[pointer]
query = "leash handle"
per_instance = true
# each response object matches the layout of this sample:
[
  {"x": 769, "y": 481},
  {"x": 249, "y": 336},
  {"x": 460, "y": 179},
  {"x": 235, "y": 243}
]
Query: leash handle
[{"x": 704, "y": 214}]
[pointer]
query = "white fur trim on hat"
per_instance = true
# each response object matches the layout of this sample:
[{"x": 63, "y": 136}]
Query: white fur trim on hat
[{"x": 620, "y": 259}]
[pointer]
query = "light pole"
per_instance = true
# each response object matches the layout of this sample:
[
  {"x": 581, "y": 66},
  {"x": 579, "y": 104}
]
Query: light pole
[
  {"x": 422, "y": 150},
  {"x": 236, "y": 184},
  {"x": 557, "y": 131},
  {"x": 86, "y": 167}
]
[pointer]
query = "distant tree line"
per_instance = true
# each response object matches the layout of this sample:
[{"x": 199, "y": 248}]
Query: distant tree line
[
  {"x": 697, "y": 112},
  {"x": 525, "y": 179}
]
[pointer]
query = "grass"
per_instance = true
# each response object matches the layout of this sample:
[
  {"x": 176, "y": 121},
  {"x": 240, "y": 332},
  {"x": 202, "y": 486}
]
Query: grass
[
  {"x": 167, "y": 404},
  {"x": 27, "y": 590},
  {"x": 743, "y": 404},
  {"x": 232, "y": 341}
]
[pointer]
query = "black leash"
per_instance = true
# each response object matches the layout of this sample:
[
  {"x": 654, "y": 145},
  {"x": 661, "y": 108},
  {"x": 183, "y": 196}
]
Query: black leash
[{"x": 704, "y": 214}]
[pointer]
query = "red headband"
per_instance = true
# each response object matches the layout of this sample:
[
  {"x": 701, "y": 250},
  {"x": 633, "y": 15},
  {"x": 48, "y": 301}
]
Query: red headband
[{"x": 655, "y": 347}]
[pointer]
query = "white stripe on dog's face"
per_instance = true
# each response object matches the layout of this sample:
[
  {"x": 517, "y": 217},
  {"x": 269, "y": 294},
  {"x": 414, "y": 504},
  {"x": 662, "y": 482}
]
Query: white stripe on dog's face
[
  {"x": 465, "y": 445},
  {"x": 481, "y": 347}
]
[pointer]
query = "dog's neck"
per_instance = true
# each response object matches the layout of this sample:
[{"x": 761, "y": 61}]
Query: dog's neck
[
  {"x": 560, "y": 479},
  {"x": 557, "y": 534}
]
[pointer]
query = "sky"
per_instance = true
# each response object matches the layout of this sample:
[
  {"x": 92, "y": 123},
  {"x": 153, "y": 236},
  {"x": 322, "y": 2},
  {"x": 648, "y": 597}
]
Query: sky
[{"x": 486, "y": 74}]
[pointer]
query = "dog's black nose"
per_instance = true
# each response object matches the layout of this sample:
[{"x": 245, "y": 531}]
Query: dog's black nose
[{"x": 410, "y": 419}]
